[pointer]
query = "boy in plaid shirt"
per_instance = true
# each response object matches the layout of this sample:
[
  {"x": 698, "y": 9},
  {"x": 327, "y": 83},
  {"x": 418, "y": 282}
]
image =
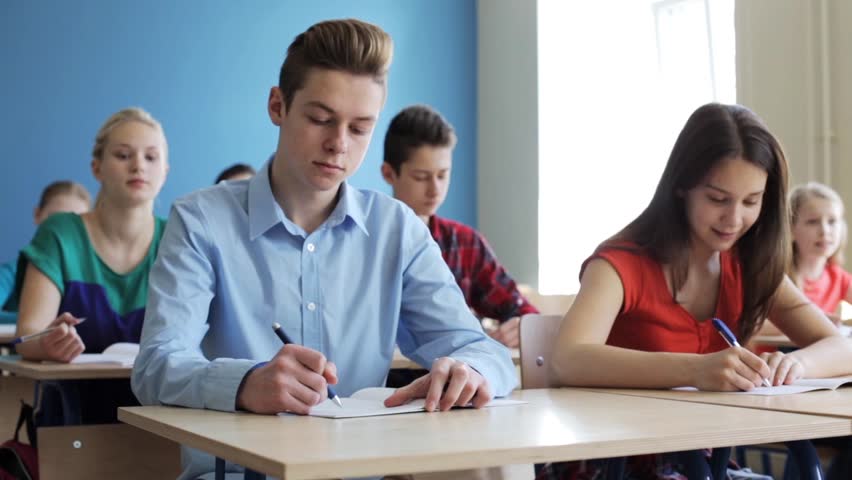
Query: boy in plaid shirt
[{"x": 418, "y": 157}]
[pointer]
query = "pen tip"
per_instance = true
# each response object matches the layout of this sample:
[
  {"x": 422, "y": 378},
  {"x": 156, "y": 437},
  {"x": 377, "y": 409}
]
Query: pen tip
[
  {"x": 336, "y": 400},
  {"x": 276, "y": 325}
]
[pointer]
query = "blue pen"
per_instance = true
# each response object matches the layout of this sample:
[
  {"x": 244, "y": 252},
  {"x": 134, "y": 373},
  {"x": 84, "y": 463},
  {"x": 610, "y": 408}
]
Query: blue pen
[
  {"x": 284, "y": 338},
  {"x": 33, "y": 336},
  {"x": 729, "y": 337}
]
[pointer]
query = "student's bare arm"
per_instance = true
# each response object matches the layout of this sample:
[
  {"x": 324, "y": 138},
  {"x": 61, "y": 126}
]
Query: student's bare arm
[
  {"x": 581, "y": 357},
  {"x": 39, "y": 305},
  {"x": 826, "y": 353}
]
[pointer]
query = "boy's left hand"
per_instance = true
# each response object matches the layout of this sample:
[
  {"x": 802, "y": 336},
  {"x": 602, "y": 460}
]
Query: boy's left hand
[{"x": 449, "y": 383}]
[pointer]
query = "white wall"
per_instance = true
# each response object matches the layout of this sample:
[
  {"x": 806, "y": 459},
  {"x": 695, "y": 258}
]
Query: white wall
[
  {"x": 781, "y": 75},
  {"x": 508, "y": 134}
]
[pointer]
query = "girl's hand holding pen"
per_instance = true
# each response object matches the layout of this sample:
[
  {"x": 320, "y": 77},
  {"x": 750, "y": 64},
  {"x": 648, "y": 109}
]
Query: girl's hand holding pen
[
  {"x": 62, "y": 343},
  {"x": 729, "y": 370}
]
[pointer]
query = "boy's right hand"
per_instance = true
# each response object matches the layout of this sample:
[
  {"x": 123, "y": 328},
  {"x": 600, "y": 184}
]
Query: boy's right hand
[
  {"x": 729, "y": 370},
  {"x": 295, "y": 380},
  {"x": 62, "y": 344}
]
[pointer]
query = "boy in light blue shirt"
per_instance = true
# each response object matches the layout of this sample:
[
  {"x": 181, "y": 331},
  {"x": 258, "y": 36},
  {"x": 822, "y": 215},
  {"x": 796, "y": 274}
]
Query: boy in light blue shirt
[{"x": 348, "y": 273}]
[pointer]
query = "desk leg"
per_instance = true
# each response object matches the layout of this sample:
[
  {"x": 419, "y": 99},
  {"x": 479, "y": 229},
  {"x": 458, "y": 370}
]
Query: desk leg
[
  {"x": 719, "y": 462},
  {"x": 694, "y": 464},
  {"x": 220, "y": 469},
  {"x": 806, "y": 460},
  {"x": 252, "y": 475}
]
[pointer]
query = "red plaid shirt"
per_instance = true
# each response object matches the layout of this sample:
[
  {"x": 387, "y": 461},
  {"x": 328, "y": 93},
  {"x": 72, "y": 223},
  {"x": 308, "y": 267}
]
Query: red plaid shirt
[{"x": 487, "y": 287}]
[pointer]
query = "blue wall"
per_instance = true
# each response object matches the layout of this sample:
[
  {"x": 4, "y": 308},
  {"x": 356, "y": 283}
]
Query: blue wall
[{"x": 204, "y": 69}]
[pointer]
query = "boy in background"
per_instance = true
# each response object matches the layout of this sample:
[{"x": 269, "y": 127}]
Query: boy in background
[{"x": 418, "y": 159}]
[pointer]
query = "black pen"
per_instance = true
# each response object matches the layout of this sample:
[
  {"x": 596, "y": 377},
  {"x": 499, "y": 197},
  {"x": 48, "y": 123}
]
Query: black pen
[{"x": 284, "y": 338}]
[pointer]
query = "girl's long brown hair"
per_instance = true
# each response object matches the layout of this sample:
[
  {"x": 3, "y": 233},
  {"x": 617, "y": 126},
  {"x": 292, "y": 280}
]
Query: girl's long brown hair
[{"x": 713, "y": 133}]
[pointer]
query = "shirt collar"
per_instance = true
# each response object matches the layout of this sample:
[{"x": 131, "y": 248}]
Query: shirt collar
[
  {"x": 350, "y": 204},
  {"x": 264, "y": 211}
]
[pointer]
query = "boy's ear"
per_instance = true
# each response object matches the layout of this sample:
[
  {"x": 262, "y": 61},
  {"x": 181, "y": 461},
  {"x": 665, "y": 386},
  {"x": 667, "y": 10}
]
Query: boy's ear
[
  {"x": 275, "y": 106},
  {"x": 388, "y": 173}
]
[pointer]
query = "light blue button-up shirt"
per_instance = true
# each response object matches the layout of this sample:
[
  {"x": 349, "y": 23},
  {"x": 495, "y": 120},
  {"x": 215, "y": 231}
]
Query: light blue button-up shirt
[{"x": 231, "y": 263}]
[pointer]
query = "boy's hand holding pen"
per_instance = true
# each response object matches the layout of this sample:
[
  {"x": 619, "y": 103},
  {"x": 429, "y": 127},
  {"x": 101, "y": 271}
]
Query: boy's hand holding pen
[{"x": 294, "y": 380}]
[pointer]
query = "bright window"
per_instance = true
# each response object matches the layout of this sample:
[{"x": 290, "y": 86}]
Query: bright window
[{"x": 617, "y": 81}]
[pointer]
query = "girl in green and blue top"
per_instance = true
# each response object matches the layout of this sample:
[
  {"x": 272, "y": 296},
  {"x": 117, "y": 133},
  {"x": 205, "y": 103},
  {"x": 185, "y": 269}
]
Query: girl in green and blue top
[
  {"x": 59, "y": 196},
  {"x": 95, "y": 266}
]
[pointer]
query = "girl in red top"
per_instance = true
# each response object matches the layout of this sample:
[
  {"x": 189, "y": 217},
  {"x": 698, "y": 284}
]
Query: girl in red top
[
  {"x": 713, "y": 242},
  {"x": 819, "y": 235}
]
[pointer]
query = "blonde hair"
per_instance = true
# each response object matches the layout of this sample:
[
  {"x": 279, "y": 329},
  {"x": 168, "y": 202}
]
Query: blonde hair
[
  {"x": 798, "y": 196},
  {"x": 132, "y": 114},
  {"x": 61, "y": 188},
  {"x": 350, "y": 45}
]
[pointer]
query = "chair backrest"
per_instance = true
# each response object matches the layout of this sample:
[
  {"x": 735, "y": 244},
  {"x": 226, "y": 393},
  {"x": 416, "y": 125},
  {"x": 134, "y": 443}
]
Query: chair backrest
[
  {"x": 547, "y": 304},
  {"x": 538, "y": 332}
]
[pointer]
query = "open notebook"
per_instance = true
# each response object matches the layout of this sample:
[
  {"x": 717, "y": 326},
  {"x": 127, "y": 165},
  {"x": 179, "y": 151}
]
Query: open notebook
[
  {"x": 369, "y": 402},
  {"x": 122, "y": 353},
  {"x": 799, "y": 386}
]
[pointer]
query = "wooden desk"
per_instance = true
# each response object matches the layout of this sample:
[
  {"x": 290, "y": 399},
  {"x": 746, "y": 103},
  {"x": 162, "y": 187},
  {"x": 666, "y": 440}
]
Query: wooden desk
[
  {"x": 563, "y": 424},
  {"x": 772, "y": 341},
  {"x": 401, "y": 361},
  {"x": 783, "y": 341},
  {"x": 62, "y": 371},
  {"x": 7, "y": 333},
  {"x": 835, "y": 403},
  {"x": 102, "y": 451}
]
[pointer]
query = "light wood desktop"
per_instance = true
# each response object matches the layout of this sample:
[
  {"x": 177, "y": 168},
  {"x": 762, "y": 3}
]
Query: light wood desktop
[
  {"x": 777, "y": 339},
  {"x": 836, "y": 403},
  {"x": 7, "y": 333},
  {"x": 560, "y": 424},
  {"x": 772, "y": 341},
  {"x": 62, "y": 371}
]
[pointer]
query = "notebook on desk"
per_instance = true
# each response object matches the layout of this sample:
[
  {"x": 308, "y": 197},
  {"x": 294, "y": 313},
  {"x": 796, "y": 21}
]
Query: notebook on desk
[
  {"x": 122, "y": 353},
  {"x": 799, "y": 386},
  {"x": 369, "y": 402}
]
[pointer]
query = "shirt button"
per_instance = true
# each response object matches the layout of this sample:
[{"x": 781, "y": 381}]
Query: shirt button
[
  {"x": 312, "y": 306},
  {"x": 311, "y": 247}
]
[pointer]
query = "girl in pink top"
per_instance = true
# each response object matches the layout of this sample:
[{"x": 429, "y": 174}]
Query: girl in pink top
[{"x": 819, "y": 235}]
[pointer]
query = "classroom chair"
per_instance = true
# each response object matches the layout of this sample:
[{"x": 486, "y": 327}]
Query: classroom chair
[
  {"x": 547, "y": 304},
  {"x": 537, "y": 335}
]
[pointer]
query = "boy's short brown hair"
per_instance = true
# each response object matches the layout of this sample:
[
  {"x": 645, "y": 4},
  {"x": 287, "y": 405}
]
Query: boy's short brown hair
[
  {"x": 350, "y": 45},
  {"x": 412, "y": 128}
]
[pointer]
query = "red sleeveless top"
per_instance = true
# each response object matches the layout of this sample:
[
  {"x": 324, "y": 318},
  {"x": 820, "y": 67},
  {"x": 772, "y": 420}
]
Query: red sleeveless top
[
  {"x": 651, "y": 321},
  {"x": 829, "y": 289}
]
